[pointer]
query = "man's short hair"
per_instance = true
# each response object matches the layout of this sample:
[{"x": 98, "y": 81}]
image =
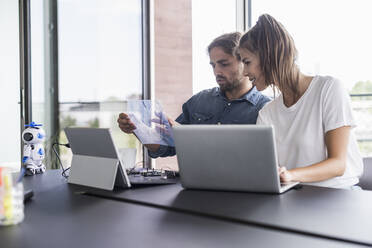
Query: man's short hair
[{"x": 228, "y": 42}]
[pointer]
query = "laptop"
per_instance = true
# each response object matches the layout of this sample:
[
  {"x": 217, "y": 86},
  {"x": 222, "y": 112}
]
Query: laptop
[
  {"x": 228, "y": 157},
  {"x": 95, "y": 161}
]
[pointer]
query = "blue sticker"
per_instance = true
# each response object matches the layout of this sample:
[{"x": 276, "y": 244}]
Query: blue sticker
[
  {"x": 40, "y": 136},
  {"x": 40, "y": 151},
  {"x": 33, "y": 124},
  {"x": 24, "y": 159}
]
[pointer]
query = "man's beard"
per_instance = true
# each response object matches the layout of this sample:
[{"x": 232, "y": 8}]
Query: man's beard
[{"x": 229, "y": 86}]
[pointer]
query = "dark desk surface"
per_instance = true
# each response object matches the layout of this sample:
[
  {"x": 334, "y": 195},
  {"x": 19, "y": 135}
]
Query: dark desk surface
[
  {"x": 59, "y": 216},
  {"x": 334, "y": 213}
]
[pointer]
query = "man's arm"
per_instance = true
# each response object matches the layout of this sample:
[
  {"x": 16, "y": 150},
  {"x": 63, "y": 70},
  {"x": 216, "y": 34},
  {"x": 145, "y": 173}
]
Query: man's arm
[{"x": 128, "y": 127}]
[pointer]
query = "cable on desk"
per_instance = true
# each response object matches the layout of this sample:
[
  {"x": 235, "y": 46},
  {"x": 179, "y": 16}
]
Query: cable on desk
[
  {"x": 59, "y": 159},
  {"x": 147, "y": 172}
]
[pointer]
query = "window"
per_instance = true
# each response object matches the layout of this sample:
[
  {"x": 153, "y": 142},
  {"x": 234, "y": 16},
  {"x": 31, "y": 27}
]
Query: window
[
  {"x": 210, "y": 19},
  {"x": 9, "y": 85},
  {"x": 99, "y": 66},
  {"x": 332, "y": 39},
  {"x": 99, "y": 63}
]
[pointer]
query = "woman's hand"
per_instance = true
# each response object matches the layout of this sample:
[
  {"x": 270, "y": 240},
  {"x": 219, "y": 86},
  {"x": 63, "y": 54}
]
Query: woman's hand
[
  {"x": 336, "y": 142},
  {"x": 285, "y": 175}
]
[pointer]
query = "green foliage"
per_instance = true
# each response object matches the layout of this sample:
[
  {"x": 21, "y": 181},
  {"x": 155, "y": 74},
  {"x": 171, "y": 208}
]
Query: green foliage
[
  {"x": 67, "y": 121},
  {"x": 94, "y": 123},
  {"x": 362, "y": 87},
  {"x": 134, "y": 97},
  {"x": 132, "y": 141},
  {"x": 123, "y": 140},
  {"x": 365, "y": 148},
  {"x": 112, "y": 99}
]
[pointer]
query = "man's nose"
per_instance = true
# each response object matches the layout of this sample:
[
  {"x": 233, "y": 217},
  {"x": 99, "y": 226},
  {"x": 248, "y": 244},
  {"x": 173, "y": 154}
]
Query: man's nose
[
  {"x": 245, "y": 72},
  {"x": 217, "y": 71}
]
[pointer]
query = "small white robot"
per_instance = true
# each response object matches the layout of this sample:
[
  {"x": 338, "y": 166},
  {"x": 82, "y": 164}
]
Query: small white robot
[{"x": 33, "y": 150}]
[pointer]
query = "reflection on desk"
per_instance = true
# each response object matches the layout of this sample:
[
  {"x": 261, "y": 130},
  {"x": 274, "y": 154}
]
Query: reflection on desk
[{"x": 333, "y": 213}]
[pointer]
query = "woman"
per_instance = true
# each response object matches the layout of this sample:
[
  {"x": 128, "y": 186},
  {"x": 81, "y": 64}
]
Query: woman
[{"x": 312, "y": 116}]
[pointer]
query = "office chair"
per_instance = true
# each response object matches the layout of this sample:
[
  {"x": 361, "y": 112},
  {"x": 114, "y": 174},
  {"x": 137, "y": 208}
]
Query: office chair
[{"x": 366, "y": 179}]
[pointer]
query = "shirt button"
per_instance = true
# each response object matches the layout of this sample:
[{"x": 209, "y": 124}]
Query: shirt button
[
  {"x": 229, "y": 104},
  {"x": 199, "y": 119},
  {"x": 218, "y": 123}
]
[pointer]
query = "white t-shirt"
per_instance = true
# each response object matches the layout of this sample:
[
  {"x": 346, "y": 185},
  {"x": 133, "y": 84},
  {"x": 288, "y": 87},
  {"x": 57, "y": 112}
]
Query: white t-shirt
[{"x": 300, "y": 129}]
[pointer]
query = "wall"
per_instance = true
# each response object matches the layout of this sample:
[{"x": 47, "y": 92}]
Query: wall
[{"x": 173, "y": 59}]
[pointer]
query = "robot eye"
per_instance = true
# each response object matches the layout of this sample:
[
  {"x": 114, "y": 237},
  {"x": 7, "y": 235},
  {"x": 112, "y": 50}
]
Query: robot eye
[{"x": 28, "y": 136}]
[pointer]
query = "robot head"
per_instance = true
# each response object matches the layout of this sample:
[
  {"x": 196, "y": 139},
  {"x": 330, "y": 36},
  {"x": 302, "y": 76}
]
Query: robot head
[{"x": 33, "y": 134}]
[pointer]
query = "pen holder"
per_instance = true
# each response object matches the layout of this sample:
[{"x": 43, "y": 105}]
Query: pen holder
[{"x": 11, "y": 198}]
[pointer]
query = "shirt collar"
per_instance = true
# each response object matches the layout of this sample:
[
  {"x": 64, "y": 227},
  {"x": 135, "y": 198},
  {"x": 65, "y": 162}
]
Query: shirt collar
[{"x": 252, "y": 96}]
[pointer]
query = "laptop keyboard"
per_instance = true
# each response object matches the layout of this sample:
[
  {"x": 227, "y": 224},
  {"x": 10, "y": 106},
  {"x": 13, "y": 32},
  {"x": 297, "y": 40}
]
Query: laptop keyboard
[{"x": 283, "y": 184}]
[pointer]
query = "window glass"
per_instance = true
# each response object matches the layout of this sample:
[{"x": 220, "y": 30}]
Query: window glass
[
  {"x": 37, "y": 63},
  {"x": 332, "y": 38},
  {"x": 210, "y": 19},
  {"x": 10, "y": 154},
  {"x": 99, "y": 65}
]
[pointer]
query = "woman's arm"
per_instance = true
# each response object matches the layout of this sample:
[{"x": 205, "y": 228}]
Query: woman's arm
[{"x": 336, "y": 141}]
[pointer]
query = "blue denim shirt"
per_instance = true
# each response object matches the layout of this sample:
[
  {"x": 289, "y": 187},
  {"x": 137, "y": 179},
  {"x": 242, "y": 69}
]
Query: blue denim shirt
[{"x": 212, "y": 107}]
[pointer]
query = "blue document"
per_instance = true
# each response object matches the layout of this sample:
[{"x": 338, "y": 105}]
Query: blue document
[{"x": 152, "y": 125}]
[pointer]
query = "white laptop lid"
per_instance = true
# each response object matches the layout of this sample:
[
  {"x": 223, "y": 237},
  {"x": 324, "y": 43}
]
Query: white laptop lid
[
  {"x": 95, "y": 160},
  {"x": 227, "y": 157}
]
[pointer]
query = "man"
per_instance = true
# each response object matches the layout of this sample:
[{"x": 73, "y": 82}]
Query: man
[{"x": 235, "y": 101}]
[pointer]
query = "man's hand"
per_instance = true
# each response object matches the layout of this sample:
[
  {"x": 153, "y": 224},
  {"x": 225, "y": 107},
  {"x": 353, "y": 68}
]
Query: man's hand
[
  {"x": 163, "y": 127},
  {"x": 125, "y": 124}
]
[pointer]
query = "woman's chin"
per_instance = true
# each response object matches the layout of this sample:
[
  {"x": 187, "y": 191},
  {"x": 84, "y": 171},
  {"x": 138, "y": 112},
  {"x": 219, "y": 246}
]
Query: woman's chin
[{"x": 260, "y": 87}]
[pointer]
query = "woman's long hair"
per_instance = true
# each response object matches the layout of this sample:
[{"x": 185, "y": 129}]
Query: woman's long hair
[{"x": 274, "y": 46}]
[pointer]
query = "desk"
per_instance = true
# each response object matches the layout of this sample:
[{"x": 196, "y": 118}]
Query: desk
[
  {"x": 59, "y": 216},
  {"x": 334, "y": 213}
]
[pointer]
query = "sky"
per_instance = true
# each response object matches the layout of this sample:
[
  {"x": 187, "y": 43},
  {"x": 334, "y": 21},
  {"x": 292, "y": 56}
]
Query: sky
[
  {"x": 99, "y": 46},
  {"x": 221, "y": 19}
]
